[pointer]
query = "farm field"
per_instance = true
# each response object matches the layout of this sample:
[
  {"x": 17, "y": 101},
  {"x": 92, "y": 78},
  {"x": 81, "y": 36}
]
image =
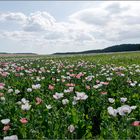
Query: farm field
[{"x": 70, "y": 97}]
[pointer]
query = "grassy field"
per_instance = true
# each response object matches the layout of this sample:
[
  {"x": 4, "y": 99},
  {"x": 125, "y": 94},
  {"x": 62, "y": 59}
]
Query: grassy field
[{"x": 70, "y": 97}]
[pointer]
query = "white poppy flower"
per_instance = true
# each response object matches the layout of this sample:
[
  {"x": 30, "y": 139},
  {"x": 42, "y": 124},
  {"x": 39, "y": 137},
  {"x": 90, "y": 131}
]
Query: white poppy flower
[
  {"x": 13, "y": 137},
  {"x": 108, "y": 78},
  {"x": 58, "y": 95},
  {"x": 37, "y": 86},
  {"x": 42, "y": 78},
  {"x": 65, "y": 101},
  {"x": 123, "y": 100},
  {"x": 17, "y": 91},
  {"x": 67, "y": 91},
  {"x": 48, "y": 106},
  {"x": 81, "y": 96},
  {"x": 38, "y": 79},
  {"x": 71, "y": 88},
  {"x": 10, "y": 90},
  {"x": 74, "y": 102},
  {"x": 123, "y": 110},
  {"x": 89, "y": 78},
  {"x": 26, "y": 106},
  {"x": 122, "y": 74},
  {"x": 137, "y": 70},
  {"x": 24, "y": 101},
  {"x": 2, "y": 98},
  {"x": 71, "y": 128},
  {"x": 19, "y": 102},
  {"x": 95, "y": 86},
  {"x": 29, "y": 89},
  {"x": 133, "y": 107},
  {"x": 21, "y": 74},
  {"x": 111, "y": 100},
  {"x": 111, "y": 111},
  {"x": 132, "y": 84},
  {"x": 5, "y": 121}
]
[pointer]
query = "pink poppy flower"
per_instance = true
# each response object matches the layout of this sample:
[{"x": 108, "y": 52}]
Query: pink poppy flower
[
  {"x": 70, "y": 85},
  {"x": 97, "y": 81},
  {"x": 53, "y": 79},
  {"x": 78, "y": 76},
  {"x": 2, "y": 85},
  {"x": 72, "y": 75},
  {"x": 136, "y": 123},
  {"x": 104, "y": 83},
  {"x": 119, "y": 74},
  {"x": 63, "y": 80},
  {"x": 103, "y": 93},
  {"x": 87, "y": 87},
  {"x": 38, "y": 100},
  {"x": 6, "y": 128},
  {"x": 71, "y": 70},
  {"x": 4, "y": 64},
  {"x": 18, "y": 68},
  {"x": 4, "y": 74},
  {"x": 51, "y": 87},
  {"x": 23, "y": 120},
  {"x": 1, "y": 94},
  {"x": 17, "y": 74}
]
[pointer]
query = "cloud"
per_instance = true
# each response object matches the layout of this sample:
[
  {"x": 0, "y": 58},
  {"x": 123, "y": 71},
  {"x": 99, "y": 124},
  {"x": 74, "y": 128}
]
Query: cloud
[
  {"x": 115, "y": 21},
  {"x": 80, "y": 36},
  {"x": 107, "y": 23},
  {"x": 94, "y": 16},
  {"x": 116, "y": 8},
  {"x": 18, "y": 35},
  {"x": 132, "y": 33},
  {"x": 10, "y": 16},
  {"x": 39, "y": 21},
  {"x": 132, "y": 20},
  {"x": 54, "y": 35}
]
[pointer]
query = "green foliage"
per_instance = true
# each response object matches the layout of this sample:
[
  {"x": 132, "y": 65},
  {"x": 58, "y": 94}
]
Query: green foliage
[{"x": 79, "y": 118}]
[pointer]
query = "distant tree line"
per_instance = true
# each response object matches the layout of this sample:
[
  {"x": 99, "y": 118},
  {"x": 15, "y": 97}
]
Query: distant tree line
[{"x": 116, "y": 48}]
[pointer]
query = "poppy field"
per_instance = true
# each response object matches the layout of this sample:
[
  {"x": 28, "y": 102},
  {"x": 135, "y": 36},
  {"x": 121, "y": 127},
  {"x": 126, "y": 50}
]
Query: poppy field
[{"x": 70, "y": 97}]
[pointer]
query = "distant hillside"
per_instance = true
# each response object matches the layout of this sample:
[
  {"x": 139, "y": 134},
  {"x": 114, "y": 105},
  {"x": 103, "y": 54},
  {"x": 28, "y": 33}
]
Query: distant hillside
[
  {"x": 4, "y": 53},
  {"x": 116, "y": 48}
]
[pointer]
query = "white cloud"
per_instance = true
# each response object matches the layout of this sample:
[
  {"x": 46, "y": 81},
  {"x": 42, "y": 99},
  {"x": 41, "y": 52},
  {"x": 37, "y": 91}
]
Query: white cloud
[
  {"x": 16, "y": 17},
  {"x": 18, "y": 35},
  {"x": 54, "y": 35},
  {"x": 132, "y": 20},
  {"x": 39, "y": 21},
  {"x": 116, "y": 8},
  {"x": 84, "y": 29},
  {"x": 94, "y": 16}
]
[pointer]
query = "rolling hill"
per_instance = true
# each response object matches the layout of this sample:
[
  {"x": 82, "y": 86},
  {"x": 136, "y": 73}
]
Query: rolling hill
[{"x": 115, "y": 48}]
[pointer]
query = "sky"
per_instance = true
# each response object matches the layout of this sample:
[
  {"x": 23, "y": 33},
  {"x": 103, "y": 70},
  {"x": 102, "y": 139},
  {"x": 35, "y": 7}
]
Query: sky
[{"x": 47, "y": 27}]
